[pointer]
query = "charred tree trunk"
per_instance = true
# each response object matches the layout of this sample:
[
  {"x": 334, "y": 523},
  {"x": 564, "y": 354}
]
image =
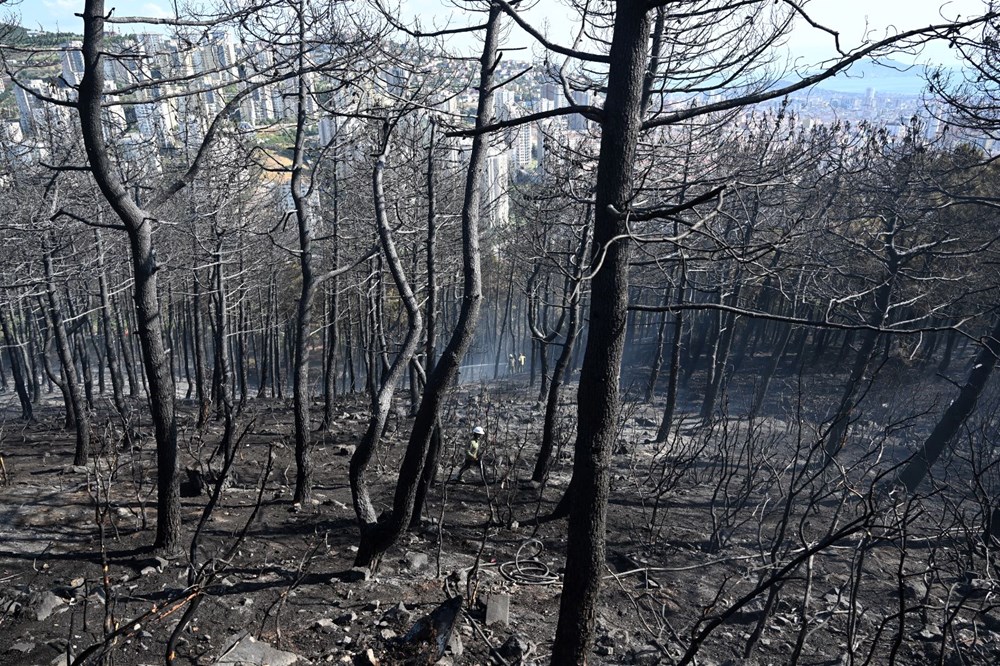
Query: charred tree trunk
[
  {"x": 837, "y": 432},
  {"x": 382, "y": 399},
  {"x": 599, "y": 391},
  {"x": 956, "y": 414},
  {"x": 111, "y": 354},
  {"x": 222, "y": 341},
  {"x": 134, "y": 389},
  {"x": 18, "y": 367},
  {"x": 562, "y": 363},
  {"x": 333, "y": 316},
  {"x": 303, "y": 320},
  {"x": 676, "y": 345},
  {"x": 503, "y": 325},
  {"x": 54, "y": 380},
  {"x": 430, "y": 337},
  {"x": 720, "y": 362},
  {"x": 777, "y": 352},
  {"x": 138, "y": 225},
  {"x": 375, "y": 541},
  {"x": 264, "y": 351},
  {"x": 949, "y": 348},
  {"x": 657, "y": 364},
  {"x": 430, "y": 317},
  {"x": 81, "y": 417}
]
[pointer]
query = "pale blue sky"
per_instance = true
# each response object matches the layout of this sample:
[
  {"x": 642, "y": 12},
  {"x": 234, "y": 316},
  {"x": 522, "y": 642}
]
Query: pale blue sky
[
  {"x": 52, "y": 14},
  {"x": 850, "y": 17}
]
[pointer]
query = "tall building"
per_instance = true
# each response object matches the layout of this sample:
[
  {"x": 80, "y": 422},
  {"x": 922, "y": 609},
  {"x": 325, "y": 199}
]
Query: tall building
[
  {"x": 503, "y": 104},
  {"x": 72, "y": 63},
  {"x": 24, "y": 101},
  {"x": 496, "y": 177},
  {"x": 156, "y": 120},
  {"x": 522, "y": 146},
  {"x": 578, "y": 123},
  {"x": 35, "y": 115}
]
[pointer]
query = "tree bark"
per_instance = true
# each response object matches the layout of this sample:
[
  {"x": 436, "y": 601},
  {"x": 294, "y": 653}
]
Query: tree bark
[
  {"x": 599, "y": 391},
  {"x": 956, "y": 414},
  {"x": 18, "y": 367},
  {"x": 382, "y": 399},
  {"x": 81, "y": 417},
  {"x": 138, "y": 224},
  {"x": 375, "y": 541}
]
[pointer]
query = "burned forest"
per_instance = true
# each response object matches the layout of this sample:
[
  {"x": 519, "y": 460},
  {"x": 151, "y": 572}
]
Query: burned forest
[{"x": 358, "y": 333}]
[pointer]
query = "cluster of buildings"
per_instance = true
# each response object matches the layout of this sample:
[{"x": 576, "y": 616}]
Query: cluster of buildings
[{"x": 164, "y": 91}]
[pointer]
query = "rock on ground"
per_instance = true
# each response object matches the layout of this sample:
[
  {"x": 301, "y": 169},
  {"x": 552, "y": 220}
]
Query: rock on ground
[{"x": 248, "y": 651}]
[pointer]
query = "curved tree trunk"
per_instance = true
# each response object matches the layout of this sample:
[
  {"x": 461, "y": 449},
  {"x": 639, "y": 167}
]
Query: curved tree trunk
[
  {"x": 375, "y": 541},
  {"x": 562, "y": 363},
  {"x": 382, "y": 399},
  {"x": 138, "y": 226}
]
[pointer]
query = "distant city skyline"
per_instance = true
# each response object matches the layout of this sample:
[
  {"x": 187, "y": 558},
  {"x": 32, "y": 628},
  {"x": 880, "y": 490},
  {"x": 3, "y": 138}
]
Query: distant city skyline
[{"x": 853, "y": 19}]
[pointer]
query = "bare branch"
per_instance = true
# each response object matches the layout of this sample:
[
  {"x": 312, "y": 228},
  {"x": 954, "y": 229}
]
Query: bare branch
[
  {"x": 922, "y": 34},
  {"x": 562, "y": 50},
  {"x": 591, "y": 112}
]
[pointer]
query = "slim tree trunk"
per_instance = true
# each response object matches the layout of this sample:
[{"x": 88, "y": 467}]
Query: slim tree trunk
[
  {"x": 676, "y": 345},
  {"x": 503, "y": 326},
  {"x": 777, "y": 352},
  {"x": 430, "y": 317},
  {"x": 720, "y": 361},
  {"x": 430, "y": 338},
  {"x": 956, "y": 414},
  {"x": 81, "y": 416},
  {"x": 264, "y": 352},
  {"x": 18, "y": 367},
  {"x": 657, "y": 364},
  {"x": 332, "y": 339},
  {"x": 375, "y": 541},
  {"x": 949, "y": 348},
  {"x": 562, "y": 363},
  {"x": 303, "y": 321},
  {"x": 117, "y": 384},
  {"x": 29, "y": 353},
  {"x": 126, "y": 351},
  {"x": 222, "y": 340},
  {"x": 837, "y": 432},
  {"x": 382, "y": 398}
]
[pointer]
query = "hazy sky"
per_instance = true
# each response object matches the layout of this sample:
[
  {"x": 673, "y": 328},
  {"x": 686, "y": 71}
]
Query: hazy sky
[{"x": 850, "y": 17}]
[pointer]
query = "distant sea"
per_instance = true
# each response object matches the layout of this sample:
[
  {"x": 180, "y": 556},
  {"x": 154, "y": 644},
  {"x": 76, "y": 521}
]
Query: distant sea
[{"x": 890, "y": 78}]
